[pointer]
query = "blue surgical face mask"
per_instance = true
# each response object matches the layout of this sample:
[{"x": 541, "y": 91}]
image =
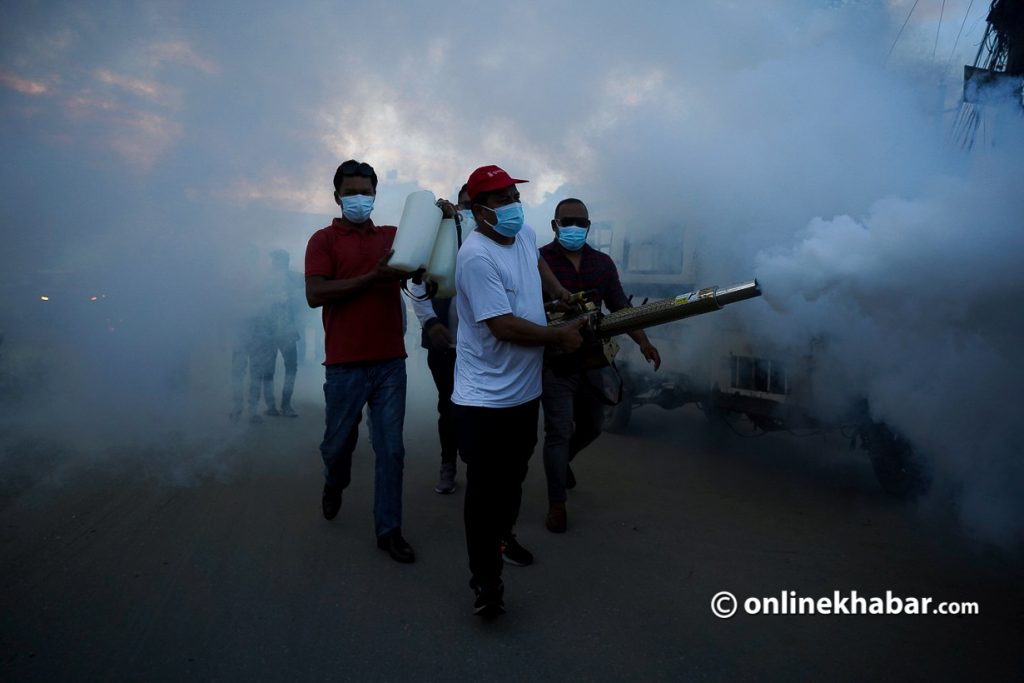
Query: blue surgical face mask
[
  {"x": 357, "y": 208},
  {"x": 572, "y": 237},
  {"x": 468, "y": 222},
  {"x": 509, "y": 219}
]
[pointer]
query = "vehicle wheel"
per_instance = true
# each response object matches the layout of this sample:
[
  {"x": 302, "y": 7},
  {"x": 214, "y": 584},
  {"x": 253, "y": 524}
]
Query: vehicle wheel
[{"x": 900, "y": 470}]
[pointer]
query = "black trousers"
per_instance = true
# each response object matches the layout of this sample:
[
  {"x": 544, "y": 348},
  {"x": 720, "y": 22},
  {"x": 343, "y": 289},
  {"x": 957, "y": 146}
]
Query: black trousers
[
  {"x": 442, "y": 367},
  {"x": 496, "y": 445}
]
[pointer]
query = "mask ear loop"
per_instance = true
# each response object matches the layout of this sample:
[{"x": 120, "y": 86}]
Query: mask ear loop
[{"x": 490, "y": 225}]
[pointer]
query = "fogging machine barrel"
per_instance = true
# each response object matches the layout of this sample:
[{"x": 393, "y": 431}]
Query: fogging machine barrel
[
  {"x": 668, "y": 310},
  {"x": 599, "y": 349}
]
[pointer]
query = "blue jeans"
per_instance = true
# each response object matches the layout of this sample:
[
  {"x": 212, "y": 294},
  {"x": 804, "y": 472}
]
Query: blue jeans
[
  {"x": 346, "y": 390},
  {"x": 573, "y": 413}
]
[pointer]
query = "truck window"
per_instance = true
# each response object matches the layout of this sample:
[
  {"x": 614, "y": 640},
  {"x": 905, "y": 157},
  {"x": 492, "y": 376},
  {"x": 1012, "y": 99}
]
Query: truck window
[{"x": 659, "y": 254}]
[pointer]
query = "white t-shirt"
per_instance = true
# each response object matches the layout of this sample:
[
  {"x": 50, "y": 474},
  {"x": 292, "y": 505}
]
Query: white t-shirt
[{"x": 492, "y": 279}]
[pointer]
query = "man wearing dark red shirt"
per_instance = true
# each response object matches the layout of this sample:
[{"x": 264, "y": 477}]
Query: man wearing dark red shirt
[
  {"x": 347, "y": 274},
  {"x": 574, "y": 404}
]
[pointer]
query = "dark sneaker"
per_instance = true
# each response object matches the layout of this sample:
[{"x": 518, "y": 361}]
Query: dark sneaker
[
  {"x": 446, "y": 483},
  {"x": 557, "y": 519},
  {"x": 513, "y": 553},
  {"x": 255, "y": 418},
  {"x": 489, "y": 601},
  {"x": 272, "y": 412},
  {"x": 288, "y": 411},
  {"x": 570, "y": 478},
  {"x": 397, "y": 548},
  {"x": 331, "y": 501}
]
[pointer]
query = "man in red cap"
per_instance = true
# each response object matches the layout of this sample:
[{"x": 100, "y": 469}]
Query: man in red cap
[{"x": 500, "y": 280}]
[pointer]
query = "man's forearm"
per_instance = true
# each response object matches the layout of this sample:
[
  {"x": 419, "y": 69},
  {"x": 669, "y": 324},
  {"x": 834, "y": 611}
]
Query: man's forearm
[
  {"x": 521, "y": 331},
  {"x": 320, "y": 290},
  {"x": 640, "y": 337},
  {"x": 548, "y": 280}
]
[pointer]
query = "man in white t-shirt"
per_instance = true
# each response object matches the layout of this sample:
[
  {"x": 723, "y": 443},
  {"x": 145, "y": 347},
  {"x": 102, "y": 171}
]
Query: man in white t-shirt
[{"x": 499, "y": 359}]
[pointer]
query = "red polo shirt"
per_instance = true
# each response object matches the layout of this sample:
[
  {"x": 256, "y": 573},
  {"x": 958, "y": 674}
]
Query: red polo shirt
[{"x": 368, "y": 326}]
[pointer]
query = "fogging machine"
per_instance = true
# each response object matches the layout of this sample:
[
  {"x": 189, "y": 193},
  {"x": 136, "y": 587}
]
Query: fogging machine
[{"x": 599, "y": 348}]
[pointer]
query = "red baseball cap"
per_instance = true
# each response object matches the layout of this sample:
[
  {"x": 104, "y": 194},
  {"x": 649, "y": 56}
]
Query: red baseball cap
[{"x": 487, "y": 178}]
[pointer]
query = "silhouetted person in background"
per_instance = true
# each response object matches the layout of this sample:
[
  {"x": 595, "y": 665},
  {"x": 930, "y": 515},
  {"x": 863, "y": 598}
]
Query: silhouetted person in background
[
  {"x": 250, "y": 344},
  {"x": 285, "y": 290}
]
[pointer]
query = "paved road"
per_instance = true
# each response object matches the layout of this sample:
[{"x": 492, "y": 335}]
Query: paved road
[{"x": 117, "y": 574}]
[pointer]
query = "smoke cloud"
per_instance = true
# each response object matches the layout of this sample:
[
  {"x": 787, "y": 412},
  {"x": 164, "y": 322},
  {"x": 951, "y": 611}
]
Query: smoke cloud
[{"x": 157, "y": 153}]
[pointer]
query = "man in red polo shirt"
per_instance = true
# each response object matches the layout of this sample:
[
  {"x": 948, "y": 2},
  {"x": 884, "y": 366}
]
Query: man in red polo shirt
[{"x": 347, "y": 274}]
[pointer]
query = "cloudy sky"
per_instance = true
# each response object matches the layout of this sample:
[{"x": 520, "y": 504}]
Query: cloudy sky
[
  {"x": 121, "y": 117},
  {"x": 160, "y": 149}
]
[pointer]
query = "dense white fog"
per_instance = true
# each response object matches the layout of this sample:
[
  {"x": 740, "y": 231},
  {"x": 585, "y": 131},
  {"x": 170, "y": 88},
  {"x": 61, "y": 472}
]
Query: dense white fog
[{"x": 157, "y": 152}]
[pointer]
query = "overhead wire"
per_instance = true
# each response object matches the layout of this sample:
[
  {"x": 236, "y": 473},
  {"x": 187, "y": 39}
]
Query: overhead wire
[
  {"x": 938, "y": 29},
  {"x": 956, "y": 42},
  {"x": 900, "y": 32}
]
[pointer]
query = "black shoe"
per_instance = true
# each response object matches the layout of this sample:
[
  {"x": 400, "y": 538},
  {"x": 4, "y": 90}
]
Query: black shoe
[
  {"x": 557, "y": 520},
  {"x": 489, "y": 601},
  {"x": 397, "y": 547},
  {"x": 272, "y": 412},
  {"x": 331, "y": 501},
  {"x": 513, "y": 553},
  {"x": 570, "y": 478}
]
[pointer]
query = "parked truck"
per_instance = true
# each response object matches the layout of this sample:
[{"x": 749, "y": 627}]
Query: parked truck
[{"x": 734, "y": 380}]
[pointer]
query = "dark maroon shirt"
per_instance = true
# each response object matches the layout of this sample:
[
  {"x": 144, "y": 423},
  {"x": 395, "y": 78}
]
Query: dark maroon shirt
[
  {"x": 368, "y": 326},
  {"x": 597, "y": 271}
]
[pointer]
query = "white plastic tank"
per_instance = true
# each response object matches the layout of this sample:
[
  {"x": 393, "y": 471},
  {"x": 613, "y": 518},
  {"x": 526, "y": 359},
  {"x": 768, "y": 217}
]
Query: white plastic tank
[
  {"x": 441, "y": 268},
  {"x": 417, "y": 232}
]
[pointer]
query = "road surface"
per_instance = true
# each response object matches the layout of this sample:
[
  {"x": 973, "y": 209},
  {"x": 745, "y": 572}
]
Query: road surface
[{"x": 117, "y": 571}]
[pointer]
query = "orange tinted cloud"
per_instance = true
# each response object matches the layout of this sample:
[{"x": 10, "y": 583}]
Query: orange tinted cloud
[
  {"x": 142, "y": 138},
  {"x": 277, "y": 190},
  {"x": 139, "y": 137},
  {"x": 182, "y": 53},
  {"x": 22, "y": 85},
  {"x": 148, "y": 89}
]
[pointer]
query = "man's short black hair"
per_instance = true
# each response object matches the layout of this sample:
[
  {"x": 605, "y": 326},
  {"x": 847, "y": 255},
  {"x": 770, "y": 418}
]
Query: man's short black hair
[
  {"x": 570, "y": 200},
  {"x": 464, "y": 188},
  {"x": 354, "y": 168}
]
